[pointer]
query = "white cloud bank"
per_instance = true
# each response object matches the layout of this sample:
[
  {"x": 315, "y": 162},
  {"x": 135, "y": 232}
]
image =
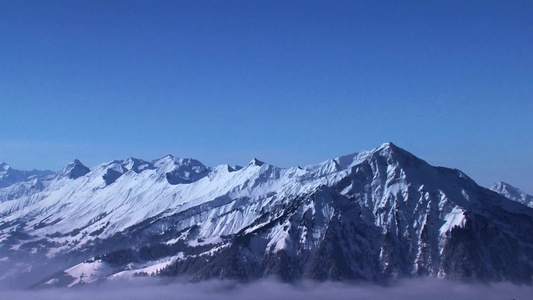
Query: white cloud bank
[{"x": 415, "y": 289}]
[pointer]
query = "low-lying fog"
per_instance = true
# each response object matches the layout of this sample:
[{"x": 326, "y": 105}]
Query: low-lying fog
[{"x": 433, "y": 289}]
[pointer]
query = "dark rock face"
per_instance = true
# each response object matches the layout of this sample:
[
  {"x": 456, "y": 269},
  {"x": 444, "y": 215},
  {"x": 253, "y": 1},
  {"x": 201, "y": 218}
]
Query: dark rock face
[
  {"x": 78, "y": 170},
  {"x": 353, "y": 250},
  {"x": 483, "y": 251},
  {"x": 111, "y": 176}
]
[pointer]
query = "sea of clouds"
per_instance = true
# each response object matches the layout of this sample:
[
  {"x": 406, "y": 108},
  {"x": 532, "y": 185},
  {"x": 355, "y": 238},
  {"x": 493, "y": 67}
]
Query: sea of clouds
[{"x": 149, "y": 288}]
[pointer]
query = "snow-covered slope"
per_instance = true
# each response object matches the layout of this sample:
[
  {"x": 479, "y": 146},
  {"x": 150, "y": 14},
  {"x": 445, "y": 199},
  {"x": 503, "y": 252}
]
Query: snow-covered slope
[
  {"x": 372, "y": 215},
  {"x": 512, "y": 193}
]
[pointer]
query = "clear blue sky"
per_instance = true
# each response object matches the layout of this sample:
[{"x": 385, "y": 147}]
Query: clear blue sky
[{"x": 289, "y": 82}]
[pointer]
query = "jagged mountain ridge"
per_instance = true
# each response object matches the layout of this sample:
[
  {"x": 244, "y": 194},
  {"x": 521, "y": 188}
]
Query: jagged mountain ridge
[
  {"x": 512, "y": 193},
  {"x": 10, "y": 176},
  {"x": 372, "y": 216}
]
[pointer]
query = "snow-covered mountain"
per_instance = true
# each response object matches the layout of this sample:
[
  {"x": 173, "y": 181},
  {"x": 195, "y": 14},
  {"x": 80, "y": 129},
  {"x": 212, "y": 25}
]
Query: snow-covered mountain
[
  {"x": 10, "y": 176},
  {"x": 512, "y": 193},
  {"x": 373, "y": 216}
]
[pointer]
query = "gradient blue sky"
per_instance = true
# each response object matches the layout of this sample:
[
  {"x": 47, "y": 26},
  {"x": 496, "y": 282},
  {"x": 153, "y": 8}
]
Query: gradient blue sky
[{"x": 289, "y": 82}]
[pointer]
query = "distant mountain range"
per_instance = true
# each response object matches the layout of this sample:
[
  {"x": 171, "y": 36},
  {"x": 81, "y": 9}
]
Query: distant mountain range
[
  {"x": 372, "y": 216},
  {"x": 10, "y": 176}
]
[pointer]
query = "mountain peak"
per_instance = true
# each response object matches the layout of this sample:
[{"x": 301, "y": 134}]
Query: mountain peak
[
  {"x": 167, "y": 161},
  {"x": 500, "y": 184},
  {"x": 171, "y": 159},
  {"x": 389, "y": 150},
  {"x": 390, "y": 147},
  {"x": 4, "y": 166},
  {"x": 180, "y": 170},
  {"x": 75, "y": 169},
  {"x": 169, "y": 156},
  {"x": 136, "y": 164},
  {"x": 512, "y": 193},
  {"x": 256, "y": 162},
  {"x": 503, "y": 187}
]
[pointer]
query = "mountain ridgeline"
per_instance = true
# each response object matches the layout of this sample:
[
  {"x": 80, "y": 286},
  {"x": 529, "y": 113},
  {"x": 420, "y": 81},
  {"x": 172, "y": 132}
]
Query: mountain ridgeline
[{"x": 370, "y": 216}]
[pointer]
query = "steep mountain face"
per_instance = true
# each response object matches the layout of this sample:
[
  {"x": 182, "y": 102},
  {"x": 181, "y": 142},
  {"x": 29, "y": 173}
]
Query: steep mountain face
[
  {"x": 512, "y": 193},
  {"x": 373, "y": 216}
]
